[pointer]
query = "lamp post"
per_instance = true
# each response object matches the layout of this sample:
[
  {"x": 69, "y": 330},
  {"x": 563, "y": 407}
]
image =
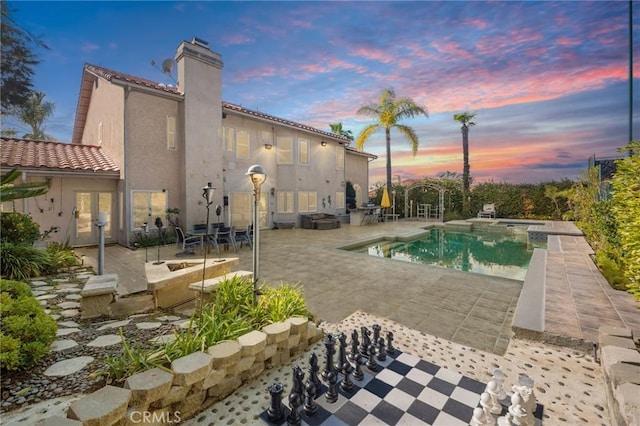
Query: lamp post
[
  {"x": 146, "y": 242},
  {"x": 207, "y": 194},
  {"x": 257, "y": 175},
  {"x": 159, "y": 226}
]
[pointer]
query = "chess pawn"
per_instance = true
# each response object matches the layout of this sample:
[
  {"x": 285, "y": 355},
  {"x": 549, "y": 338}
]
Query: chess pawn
[
  {"x": 332, "y": 394},
  {"x": 381, "y": 353},
  {"x": 310, "y": 406},
  {"x": 357, "y": 369},
  {"x": 390, "y": 349},
  {"x": 313, "y": 372},
  {"x": 499, "y": 377},
  {"x": 492, "y": 390},
  {"x": 295, "y": 401},
  {"x": 346, "y": 385},
  {"x": 276, "y": 409},
  {"x": 371, "y": 362},
  {"x": 479, "y": 418}
]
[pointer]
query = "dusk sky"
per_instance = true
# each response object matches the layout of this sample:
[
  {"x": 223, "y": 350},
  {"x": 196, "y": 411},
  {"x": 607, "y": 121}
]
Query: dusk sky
[{"x": 549, "y": 80}]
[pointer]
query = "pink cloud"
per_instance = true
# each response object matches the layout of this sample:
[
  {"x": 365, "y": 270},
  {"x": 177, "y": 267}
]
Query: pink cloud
[{"x": 237, "y": 39}]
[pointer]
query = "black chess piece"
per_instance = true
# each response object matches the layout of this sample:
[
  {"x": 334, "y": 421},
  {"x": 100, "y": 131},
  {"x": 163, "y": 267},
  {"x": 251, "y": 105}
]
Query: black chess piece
[
  {"x": 346, "y": 384},
  {"x": 381, "y": 353},
  {"x": 390, "y": 349},
  {"x": 276, "y": 409},
  {"x": 295, "y": 401},
  {"x": 371, "y": 362},
  {"x": 332, "y": 394},
  {"x": 366, "y": 340},
  {"x": 313, "y": 372},
  {"x": 376, "y": 332},
  {"x": 357, "y": 369},
  {"x": 342, "y": 353},
  {"x": 310, "y": 406},
  {"x": 354, "y": 344},
  {"x": 330, "y": 349},
  {"x": 298, "y": 377}
]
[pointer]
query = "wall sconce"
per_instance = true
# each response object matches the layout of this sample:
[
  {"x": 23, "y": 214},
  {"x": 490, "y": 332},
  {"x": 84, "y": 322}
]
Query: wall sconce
[
  {"x": 268, "y": 146},
  {"x": 323, "y": 143}
]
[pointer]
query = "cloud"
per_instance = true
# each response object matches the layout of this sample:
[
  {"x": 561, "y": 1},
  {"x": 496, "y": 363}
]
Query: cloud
[{"x": 88, "y": 47}]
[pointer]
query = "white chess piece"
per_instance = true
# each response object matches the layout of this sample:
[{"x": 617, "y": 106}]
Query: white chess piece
[
  {"x": 492, "y": 390},
  {"x": 499, "y": 378},
  {"x": 479, "y": 417},
  {"x": 485, "y": 403},
  {"x": 517, "y": 413},
  {"x": 529, "y": 396}
]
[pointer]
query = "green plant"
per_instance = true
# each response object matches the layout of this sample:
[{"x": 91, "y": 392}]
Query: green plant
[
  {"x": 26, "y": 332},
  {"x": 282, "y": 302},
  {"x": 18, "y": 228},
  {"x": 59, "y": 256},
  {"x": 20, "y": 261}
]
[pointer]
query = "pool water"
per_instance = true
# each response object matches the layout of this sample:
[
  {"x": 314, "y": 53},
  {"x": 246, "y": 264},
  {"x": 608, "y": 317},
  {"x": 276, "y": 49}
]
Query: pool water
[{"x": 498, "y": 254}]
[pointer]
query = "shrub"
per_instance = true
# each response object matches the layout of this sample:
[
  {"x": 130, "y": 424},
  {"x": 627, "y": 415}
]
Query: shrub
[
  {"x": 59, "y": 256},
  {"x": 18, "y": 228},
  {"x": 20, "y": 261},
  {"x": 26, "y": 331}
]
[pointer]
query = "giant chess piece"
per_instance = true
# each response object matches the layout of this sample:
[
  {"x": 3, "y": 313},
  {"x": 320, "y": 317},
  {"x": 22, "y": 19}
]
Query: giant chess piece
[
  {"x": 376, "y": 332},
  {"x": 371, "y": 362},
  {"x": 381, "y": 353},
  {"x": 346, "y": 384},
  {"x": 354, "y": 345},
  {"x": 295, "y": 401},
  {"x": 366, "y": 341},
  {"x": 492, "y": 390},
  {"x": 479, "y": 418},
  {"x": 332, "y": 393},
  {"x": 313, "y": 372},
  {"x": 342, "y": 353},
  {"x": 524, "y": 398},
  {"x": 357, "y": 369},
  {"x": 390, "y": 349},
  {"x": 499, "y": 377},
  {"x": 486, "y": 405},
  {"x": 310, "y": 406},
  {"x": 275, "y": 412},
  {"x": 330, "y": 349},
  {"x": 526, "y": 384}
]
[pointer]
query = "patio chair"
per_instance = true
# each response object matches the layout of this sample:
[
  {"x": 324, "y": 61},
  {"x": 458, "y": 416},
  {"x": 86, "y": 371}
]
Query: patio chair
[
  {"x": 187, "y": 244},
  {"x": 245, "y": 236},
  {"x": 488, "y": 211},
  {"x": 213, "y": 239},
  {"x": 226, "y": 236}
]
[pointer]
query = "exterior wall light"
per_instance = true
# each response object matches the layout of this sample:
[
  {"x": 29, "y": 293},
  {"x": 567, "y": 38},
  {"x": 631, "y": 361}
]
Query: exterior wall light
[
  {"x": 268, "y": 146},
  {"x": 323, "y": 143}
]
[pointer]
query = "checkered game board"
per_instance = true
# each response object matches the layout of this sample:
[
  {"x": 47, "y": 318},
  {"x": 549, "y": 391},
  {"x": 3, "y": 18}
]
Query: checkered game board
[{"x": 405, "y": 390}]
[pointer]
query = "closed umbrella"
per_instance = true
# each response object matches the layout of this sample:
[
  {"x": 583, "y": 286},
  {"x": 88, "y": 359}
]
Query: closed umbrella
[{"x": 385, "y": 203}]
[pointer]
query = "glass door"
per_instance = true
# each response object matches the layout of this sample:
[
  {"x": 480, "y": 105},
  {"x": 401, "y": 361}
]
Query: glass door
[{"x": 88, "y": 206}]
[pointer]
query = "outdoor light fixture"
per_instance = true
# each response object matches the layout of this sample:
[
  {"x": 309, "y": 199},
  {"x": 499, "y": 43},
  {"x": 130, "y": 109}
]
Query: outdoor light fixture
[
  {"x": 323, "y": 143},
  {"x": 258, "y": 176},
  {"x": 207, "y": 194},
  {"x": 268, "y": 146}
]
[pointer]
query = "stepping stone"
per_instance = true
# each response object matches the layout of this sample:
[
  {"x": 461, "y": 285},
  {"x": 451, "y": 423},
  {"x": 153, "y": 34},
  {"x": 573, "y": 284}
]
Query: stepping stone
[
  {"x": 106, "y": 340},
  {"x": 138, "y": 316},
  {"x": 39, "y": 283},
  {"x": 73, "y": 297},
  {"x": 46, "y": 297},
  {"x": 115, "y": 324},
  {"x": 61, "y": 280},
  {"x": 182, "y": 324},
  {"x": 69, "y": 290},
  {"x": 83, "y": 275},
  {"x": 161, "y": 340},
  {"x": 66, "y": 331},
  {"x": 67, "y": 285},
  {"x": 168, "y": 318},
  {"x": 37, "y": 293},
  {"x": 45, "y": 287},
  {"x": 68, "y": 324},
  {"x": 148, "y": 325},
  {"x": 65, "y": 346},
  {"x": 70, "y": 313},
  {"x": 68, "y": 305},
  {"x": 68, "y": 366},
  {"x": 43, "y": 303},
  {"x": 56, "y": 317}
]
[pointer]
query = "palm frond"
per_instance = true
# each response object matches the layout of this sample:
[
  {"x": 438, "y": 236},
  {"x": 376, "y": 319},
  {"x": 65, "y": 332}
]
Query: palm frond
[
  {"x": 410, "y": 134},
  {"x": 365, "y": 133}
]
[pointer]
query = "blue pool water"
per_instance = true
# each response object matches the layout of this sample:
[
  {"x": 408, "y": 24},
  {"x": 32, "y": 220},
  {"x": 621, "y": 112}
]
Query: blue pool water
[{"x": 499, "y": 254}]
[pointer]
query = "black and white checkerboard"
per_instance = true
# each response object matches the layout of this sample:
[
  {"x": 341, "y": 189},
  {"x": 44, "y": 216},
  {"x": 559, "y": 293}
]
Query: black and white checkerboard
[{"x": 406, "y": 390}]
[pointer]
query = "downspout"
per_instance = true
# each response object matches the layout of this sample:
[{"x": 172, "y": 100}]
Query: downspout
[{"x": 125, "y": 198}]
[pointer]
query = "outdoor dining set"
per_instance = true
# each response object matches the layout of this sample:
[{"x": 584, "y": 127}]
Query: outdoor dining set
[{"x": 217, "y": 235}]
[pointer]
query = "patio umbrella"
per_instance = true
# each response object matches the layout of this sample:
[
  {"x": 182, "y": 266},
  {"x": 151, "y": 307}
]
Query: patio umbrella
[{"x": 385, "y": 203}]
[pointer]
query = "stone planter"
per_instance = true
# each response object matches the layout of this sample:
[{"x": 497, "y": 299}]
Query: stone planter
[{"x": 196, "y": 381}]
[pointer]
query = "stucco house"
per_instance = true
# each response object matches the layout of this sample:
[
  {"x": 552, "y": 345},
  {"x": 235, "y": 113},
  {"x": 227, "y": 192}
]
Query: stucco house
[{"x": 140, "y": 147}]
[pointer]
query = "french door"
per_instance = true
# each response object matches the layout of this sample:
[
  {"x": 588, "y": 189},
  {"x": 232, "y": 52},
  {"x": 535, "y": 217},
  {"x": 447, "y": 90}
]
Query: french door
[{"x": 88, "y": 206}]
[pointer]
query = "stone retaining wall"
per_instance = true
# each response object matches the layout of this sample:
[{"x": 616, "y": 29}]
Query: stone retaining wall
[
  {"x": 620, "y": 361},
  {"x": 195, "y": 381}
]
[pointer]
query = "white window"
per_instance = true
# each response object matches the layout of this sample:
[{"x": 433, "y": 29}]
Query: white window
[
  {"x": 307, "y": 202},
  {"x": 339, "y": 200},
  {"x": 242, "y": 144},
  {"x": 285, "y": 202},
  {"x": 228, "y": 137},
  {"x": 147, "y": 206},
  {"x": 303, "y": 151},
  {"x": 100, "y": 133},
  {"x": 285, "y": 148},
  {"x": 171, "y": 132},
  {"x": 340, "y": 157},
  {"x": 241, "y": 205}
]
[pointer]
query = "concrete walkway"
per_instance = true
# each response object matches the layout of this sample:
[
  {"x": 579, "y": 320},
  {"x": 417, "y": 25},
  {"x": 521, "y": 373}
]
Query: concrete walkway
[{"x": 469, "y": 309}]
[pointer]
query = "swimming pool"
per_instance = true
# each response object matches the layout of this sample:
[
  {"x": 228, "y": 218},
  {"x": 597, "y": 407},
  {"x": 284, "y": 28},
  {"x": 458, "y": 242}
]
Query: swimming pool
[{"x": 498, "y": 254}]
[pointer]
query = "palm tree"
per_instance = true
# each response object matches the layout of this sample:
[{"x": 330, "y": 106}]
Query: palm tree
[
  {"x": 338, "y": 130},
  {"x": 34, "y": 113},
  {"x": 387, "y": 114},
  {"x": 465, "y": 119},
  {"x": 10, "y": 191}
]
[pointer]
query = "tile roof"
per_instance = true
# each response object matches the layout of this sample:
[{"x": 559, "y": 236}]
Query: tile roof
[
  {"x": 26, "y": 153},
  {"x": 110, "y": 75}
]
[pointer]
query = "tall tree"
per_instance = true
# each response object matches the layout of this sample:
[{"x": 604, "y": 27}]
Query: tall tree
[
  {"x": 387, "y": 113},
  {"x": 338, "y": 130},
  {"x": 34, "y": 113},
  {"x": 18, "y": 61},
  {"x": 466, "y": 119}
]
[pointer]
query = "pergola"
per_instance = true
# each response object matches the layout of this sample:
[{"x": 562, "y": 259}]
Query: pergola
[{"x": 434, "y": 186}]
